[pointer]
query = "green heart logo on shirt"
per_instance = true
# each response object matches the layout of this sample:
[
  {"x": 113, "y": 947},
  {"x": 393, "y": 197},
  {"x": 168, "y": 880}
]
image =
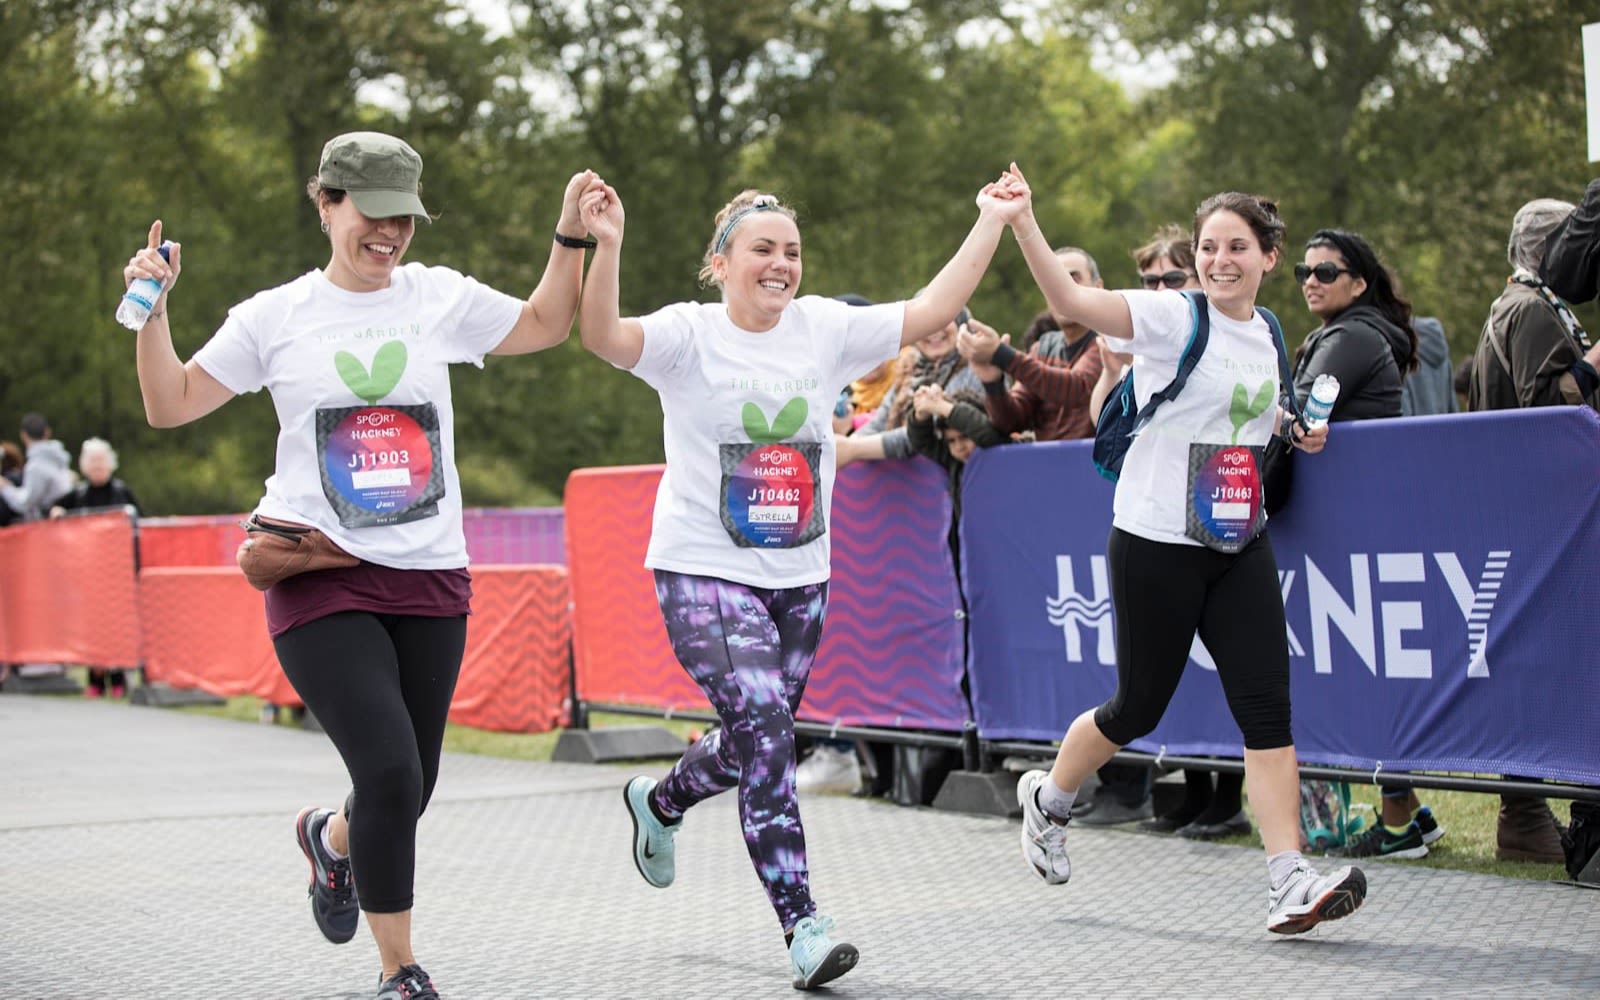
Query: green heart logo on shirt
[
  {"x": 788, "y": 420},
  {"x": 1245, "y": 409},
  {"x": 387, "y": 367}
]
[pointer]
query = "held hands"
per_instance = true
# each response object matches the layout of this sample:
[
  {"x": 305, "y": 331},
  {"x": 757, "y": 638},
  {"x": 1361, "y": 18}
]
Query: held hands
[
  {"x": 602, "y": 213},
  {"x": 572, "y": 217},
  {"x": 1008, "y": 198},
  {"x": 147, "y": 263}
]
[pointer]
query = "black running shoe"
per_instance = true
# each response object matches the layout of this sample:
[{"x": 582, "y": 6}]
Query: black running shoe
[
  {"x": 333, "y": 894},
  {"x": 1382, "y": 842},
  {"x": 410, "y": 983}
]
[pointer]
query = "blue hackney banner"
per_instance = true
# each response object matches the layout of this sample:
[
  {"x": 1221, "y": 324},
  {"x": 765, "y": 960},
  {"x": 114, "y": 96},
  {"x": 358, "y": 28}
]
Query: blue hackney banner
[{"x": 1440, "y": 575}]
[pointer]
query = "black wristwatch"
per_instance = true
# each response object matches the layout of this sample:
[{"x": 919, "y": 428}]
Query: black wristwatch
[{"x": 574, "y": 242}]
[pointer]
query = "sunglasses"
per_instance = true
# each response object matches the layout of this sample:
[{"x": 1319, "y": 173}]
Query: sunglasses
[
  {"x": 1172, "y": 279},
  {"x": 1326, "y": 272}
]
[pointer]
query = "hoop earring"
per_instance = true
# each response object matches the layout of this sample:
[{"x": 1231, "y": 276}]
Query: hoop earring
[{"x": 324, "y": 225}]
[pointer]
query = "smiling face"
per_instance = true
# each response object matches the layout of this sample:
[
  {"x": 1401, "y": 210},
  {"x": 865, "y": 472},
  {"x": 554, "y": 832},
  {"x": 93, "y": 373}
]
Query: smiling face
[
  {"x": 759, "y": 271},
  {"x": 1230, "y": 262},
  {"x": 365, "y": 251},
  {"x": 1328, "y": 301},
  {"x": 939, "y": 344}
]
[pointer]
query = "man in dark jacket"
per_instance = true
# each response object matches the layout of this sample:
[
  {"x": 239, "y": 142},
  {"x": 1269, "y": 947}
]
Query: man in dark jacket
[{"x": 1571, "y": 265}]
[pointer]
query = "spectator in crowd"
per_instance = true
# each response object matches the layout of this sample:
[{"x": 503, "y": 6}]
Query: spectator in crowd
[
  {"x": 934, "y": 361},
  {"x": 947, "y": 428},
  {"x": 1571, "y": 264},
  {"x": 374, "y": 649},
  {"x": 97, "y": 460},
  {"x": 1534, "y": 352},
  {"x": 11, "y": 462},
  {"x": 1051, "y": 383},
  {"x": 1179, "y": 564},
  {"x": 1429, "y": 389},
  {"x": 46, "y": 472},
  {"x": 747, "y": 386},
  {"x": 1368, "y": 341}
]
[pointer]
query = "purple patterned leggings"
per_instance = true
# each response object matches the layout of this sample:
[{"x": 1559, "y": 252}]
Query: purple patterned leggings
[{"x": 750, "y": 650}]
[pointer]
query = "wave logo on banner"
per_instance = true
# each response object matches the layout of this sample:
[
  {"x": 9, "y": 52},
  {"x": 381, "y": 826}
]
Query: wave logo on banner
[
  {"x": 1070, "y": 610},
  {"x": 1359, "y": 618}
]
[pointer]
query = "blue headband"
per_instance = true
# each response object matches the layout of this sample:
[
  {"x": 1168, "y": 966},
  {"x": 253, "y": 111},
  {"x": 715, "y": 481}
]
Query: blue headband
[{"x": 766, "y": 203}]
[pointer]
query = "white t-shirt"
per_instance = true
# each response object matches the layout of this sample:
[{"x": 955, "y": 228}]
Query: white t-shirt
[
  {"x": 361, "y": 385},
  {"x": 748, "y": 429},
  {"x": 1152, "y": 491}
]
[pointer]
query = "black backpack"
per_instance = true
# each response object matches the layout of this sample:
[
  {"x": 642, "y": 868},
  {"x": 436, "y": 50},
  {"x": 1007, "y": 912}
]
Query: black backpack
[{"x": 1121, "y": 420}]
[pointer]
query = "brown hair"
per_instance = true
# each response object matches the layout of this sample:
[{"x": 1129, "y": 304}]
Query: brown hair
[
  {"x": 1260, "y": 214},
  {"x": 1171, "y": 242},
  {"x": 748, "y": 200}
]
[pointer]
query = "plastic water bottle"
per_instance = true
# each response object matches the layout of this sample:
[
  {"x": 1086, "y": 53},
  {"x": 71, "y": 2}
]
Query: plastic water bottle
[
  {"x": 134, "y": 309},
  {"x": 1320, "y": 403}
]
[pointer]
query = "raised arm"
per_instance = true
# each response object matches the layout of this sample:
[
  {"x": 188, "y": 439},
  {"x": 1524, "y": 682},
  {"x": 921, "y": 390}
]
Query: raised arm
[
  {"x": 600, "y": 324},
  {"x": 950, "y": 289},
  {"x": 546, "y": 318},
  {"x": 1100, "y": 310},
  {"x": 174, "y": 393}
]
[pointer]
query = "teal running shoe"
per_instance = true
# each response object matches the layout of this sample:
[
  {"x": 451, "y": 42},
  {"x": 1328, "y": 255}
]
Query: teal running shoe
[
  {"x": 816, "y": 958},
  {"x": 653, "y": 851}
]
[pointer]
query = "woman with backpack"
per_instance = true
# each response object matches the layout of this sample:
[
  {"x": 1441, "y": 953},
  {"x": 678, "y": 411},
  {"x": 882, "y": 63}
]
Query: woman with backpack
[{"x": 1188, "y": 551}]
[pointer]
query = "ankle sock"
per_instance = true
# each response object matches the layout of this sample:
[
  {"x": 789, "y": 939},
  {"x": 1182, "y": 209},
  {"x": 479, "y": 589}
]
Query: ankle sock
[
  {"x": 1281, "y": 865},
  {"x": 327, "y": 845},
  {"x": 1055, "y": 803}
]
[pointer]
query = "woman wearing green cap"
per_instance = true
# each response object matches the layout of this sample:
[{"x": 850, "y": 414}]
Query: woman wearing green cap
[{"x": 356, "y": 356}]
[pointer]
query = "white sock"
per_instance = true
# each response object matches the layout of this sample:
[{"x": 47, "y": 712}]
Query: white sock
[
  {"x": 1280, "y": 865},
  {"x": 1055, "y": 803},
  {"x": 328, "y": 846}
]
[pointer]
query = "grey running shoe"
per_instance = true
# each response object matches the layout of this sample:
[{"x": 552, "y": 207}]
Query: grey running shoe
[
  {"x": 815, "y": 958},
  {"x": 1044, "y": 841},
  {"x": 332, "y": 892},
  {"x": 410, "y": 983},
  {"x": 1305, "y": 899},
  {"x": 653, "y": 851}
]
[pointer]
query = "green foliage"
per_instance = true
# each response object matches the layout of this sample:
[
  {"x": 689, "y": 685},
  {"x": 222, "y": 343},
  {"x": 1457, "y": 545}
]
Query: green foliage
[{"x": 1423, "y": 126}]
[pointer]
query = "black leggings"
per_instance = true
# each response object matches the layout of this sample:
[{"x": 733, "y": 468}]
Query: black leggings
[
  {"x": 1162, "y": 594},
  {"x": 380, "y": 686}
]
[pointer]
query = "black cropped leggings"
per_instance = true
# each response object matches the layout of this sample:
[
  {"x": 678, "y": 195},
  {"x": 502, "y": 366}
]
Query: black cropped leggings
[
  {"x": 1162, "y": 594},
  {"x": 380, "y": 686}
]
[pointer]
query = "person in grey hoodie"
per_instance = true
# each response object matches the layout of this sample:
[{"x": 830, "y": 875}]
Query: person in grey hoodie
[
  {"x": 46, "y": 472},
  {"x": 1431, "y": 388}
]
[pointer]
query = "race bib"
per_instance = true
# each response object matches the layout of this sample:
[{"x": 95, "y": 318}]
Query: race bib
[
  {"x": 769, "y": 494},
  {"x": 380, "y": 464},
  {"x": 1224, "y": 510}
]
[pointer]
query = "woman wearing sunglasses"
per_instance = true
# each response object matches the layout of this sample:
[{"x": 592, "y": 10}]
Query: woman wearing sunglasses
[{"x": 1366, "y": 339}]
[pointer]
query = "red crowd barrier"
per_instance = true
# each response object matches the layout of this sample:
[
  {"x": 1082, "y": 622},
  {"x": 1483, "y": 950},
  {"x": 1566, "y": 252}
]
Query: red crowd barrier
[
  {"x": 67, "y": 592},
  {"x": 620, "y": 648}
]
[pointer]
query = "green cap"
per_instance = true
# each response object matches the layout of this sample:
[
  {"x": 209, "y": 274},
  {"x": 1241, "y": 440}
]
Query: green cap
[{"x": 380, "y": 173}]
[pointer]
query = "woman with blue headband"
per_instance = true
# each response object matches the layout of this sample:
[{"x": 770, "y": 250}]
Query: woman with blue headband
[{"x": 739, "y": 546}]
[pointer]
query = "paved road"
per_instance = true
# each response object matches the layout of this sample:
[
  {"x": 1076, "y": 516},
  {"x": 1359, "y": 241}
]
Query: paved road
[{"x": 148, "y": 854}]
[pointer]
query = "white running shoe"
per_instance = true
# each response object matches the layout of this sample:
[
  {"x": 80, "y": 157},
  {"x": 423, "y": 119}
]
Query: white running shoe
[
  {"x": 1044, "y": 841},
  {"x": 1305, "y": 899},
  {"x": 828, "y": 770}
]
